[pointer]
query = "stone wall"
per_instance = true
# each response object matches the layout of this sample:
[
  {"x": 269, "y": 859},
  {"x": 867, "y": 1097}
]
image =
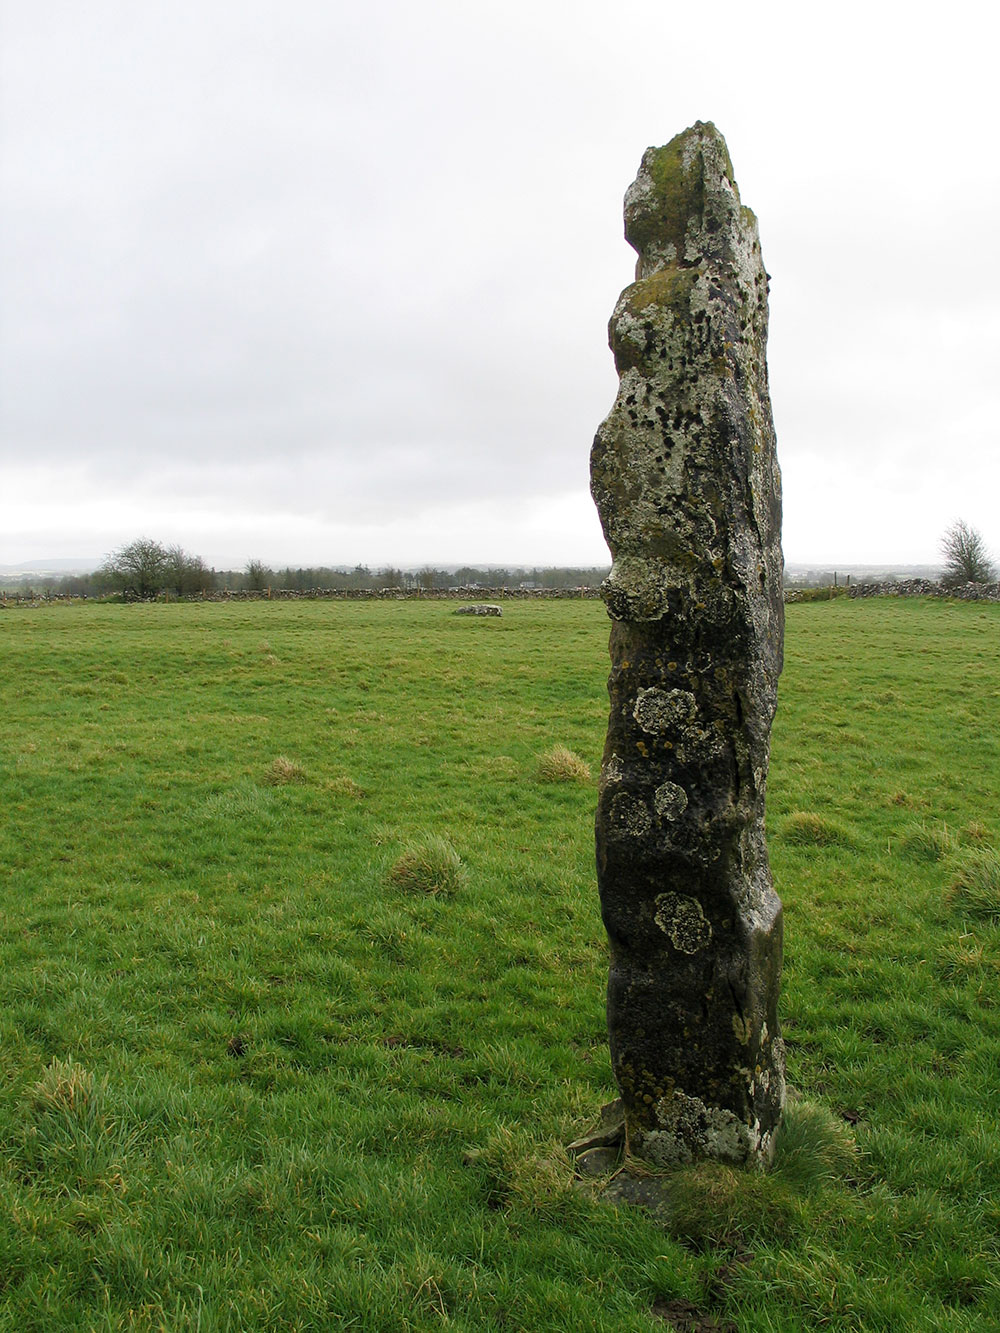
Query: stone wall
[
  {"x": 331, "y": 594},
  {"x": 970, "y": 592}
]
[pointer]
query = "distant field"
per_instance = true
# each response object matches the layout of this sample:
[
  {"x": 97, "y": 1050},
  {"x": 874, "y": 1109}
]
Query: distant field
[{"x": 273, "y": 1060}]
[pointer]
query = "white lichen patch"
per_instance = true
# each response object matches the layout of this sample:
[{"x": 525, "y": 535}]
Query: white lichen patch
[
  {"x": 691, "y": 1130},
  {"x": 628, "y": 816},
  {"x": 670, "y": 801},
  {"x": 636, "y": 589},
  {"x": 662, "y": 711},
  {"x": 683, "y": 922},
  {"x": 613, "y": 771}
]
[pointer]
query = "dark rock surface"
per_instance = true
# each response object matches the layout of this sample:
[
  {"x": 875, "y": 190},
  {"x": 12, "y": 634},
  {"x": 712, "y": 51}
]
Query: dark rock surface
[{"x": 686, "y": 481}]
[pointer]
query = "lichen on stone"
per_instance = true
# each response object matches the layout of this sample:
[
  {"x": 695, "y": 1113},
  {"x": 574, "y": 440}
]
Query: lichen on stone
[
  {"x": 670, "y": 801},
  {"x": 683, "y": 922},
  {"x": 688, "y": 1128},
  {"x": 661, "y": 711},
  {"x": 629, "y": 816}
]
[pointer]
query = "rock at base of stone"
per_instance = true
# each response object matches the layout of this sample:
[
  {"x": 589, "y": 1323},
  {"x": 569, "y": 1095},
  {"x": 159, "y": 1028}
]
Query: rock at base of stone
[
  {"x": 641, "y": 1191},
  {"x": 598, "y": 1161},
  {"x": 610, "y": 1131}
]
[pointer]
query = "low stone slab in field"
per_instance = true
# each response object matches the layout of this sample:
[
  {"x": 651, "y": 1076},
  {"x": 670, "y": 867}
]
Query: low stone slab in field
[{"x": 479, "y": 609}]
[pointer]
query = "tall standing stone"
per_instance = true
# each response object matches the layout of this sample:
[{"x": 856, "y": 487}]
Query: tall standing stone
[{"x": 686, "y": 481}]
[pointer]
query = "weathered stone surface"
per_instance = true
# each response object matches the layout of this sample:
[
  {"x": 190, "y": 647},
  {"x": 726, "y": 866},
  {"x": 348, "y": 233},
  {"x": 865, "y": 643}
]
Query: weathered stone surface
[
  {"x": 478, "y": 609},
  {"x": 686, "y": 482}
]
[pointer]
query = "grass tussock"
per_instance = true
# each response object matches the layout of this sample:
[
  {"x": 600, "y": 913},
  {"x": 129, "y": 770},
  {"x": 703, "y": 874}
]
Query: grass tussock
[
  {"x": 966, "y": 960},
  {"x": 975, "y": 885},
  {"x": 67, "y": 1142},
  {"x": 431, "y": 867},
  {"x": 513, "y": 1171},
  {"x": 284, "y": 770},
  {"x": 814, "y": 1147},
  {"x": 715, "y": 1205},
  {"x": 975, "y": 831},
  {"x": 66, "y": 1089},
  {"x": 920, "y": 843},
  {"x": 711, "y": 1204},
  {"x": 561, "y": 765},
  {"x": 805, "y": 828}
]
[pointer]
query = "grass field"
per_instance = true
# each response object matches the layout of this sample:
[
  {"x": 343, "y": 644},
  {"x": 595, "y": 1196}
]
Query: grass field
[{"x": 301, "y": 992}]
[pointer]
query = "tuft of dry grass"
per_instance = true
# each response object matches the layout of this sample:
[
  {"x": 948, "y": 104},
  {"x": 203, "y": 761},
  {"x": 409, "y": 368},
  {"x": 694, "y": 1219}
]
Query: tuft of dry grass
[
  {"x": 284, "y": 770},
  {"x": 432, "y": 867},
  {"x": 805, "y": 828},
  {"x": 66, "y": 1088},
  {"x": 976, "y": 831},
  {"x": 562, "y": 765}
]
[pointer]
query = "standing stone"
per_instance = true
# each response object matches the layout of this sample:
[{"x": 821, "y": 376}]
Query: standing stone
[{"x": 686, "y": 482}]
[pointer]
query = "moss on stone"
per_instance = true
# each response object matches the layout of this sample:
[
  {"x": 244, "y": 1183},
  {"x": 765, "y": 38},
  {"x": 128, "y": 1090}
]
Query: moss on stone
[
  {"x": 678, "y": 195},
  {"x": 670, "y": 287},
  {"x": 678, "y": 189}
]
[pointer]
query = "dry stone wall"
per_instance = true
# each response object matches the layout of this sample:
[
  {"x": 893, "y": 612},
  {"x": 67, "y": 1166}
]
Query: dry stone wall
[
  {"x": 336, "y": 594},
  {"x": 969, "y": 592}
]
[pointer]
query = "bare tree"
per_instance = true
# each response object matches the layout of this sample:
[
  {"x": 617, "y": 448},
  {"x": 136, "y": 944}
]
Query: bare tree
[
  {"x": 144, "y": 568},
  {"x": 138, "y": 569},
  {"x": 258, "y": 575},
  {"x": 965, "y": 556},
  {"x": 185, "y": 574}
]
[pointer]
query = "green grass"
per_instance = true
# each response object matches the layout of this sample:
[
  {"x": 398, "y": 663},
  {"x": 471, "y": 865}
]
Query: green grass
[{"x": 255, "y": 1077}]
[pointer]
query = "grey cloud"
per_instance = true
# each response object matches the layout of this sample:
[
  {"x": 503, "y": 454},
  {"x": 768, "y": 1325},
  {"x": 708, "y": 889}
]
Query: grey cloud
[{"x": 356, "y": 261}]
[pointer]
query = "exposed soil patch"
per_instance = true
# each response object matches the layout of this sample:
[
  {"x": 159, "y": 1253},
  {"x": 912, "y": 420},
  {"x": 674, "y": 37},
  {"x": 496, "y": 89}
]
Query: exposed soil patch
[{"x": 687, "y": 1318}]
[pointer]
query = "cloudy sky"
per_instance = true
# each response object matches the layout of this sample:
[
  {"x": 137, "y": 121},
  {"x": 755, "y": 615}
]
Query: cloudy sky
[{"x": 324, "y": 282}]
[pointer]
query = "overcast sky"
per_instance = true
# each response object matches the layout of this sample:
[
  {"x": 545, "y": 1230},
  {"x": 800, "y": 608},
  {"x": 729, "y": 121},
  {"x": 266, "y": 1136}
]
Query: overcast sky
[{"x": 320, "y": 282}]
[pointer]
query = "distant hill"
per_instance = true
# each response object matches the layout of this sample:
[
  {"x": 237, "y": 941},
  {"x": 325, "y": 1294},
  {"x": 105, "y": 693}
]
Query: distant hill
[
  {"x": 824, "y": 574},
  {"x": 84, "y": 564}
]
